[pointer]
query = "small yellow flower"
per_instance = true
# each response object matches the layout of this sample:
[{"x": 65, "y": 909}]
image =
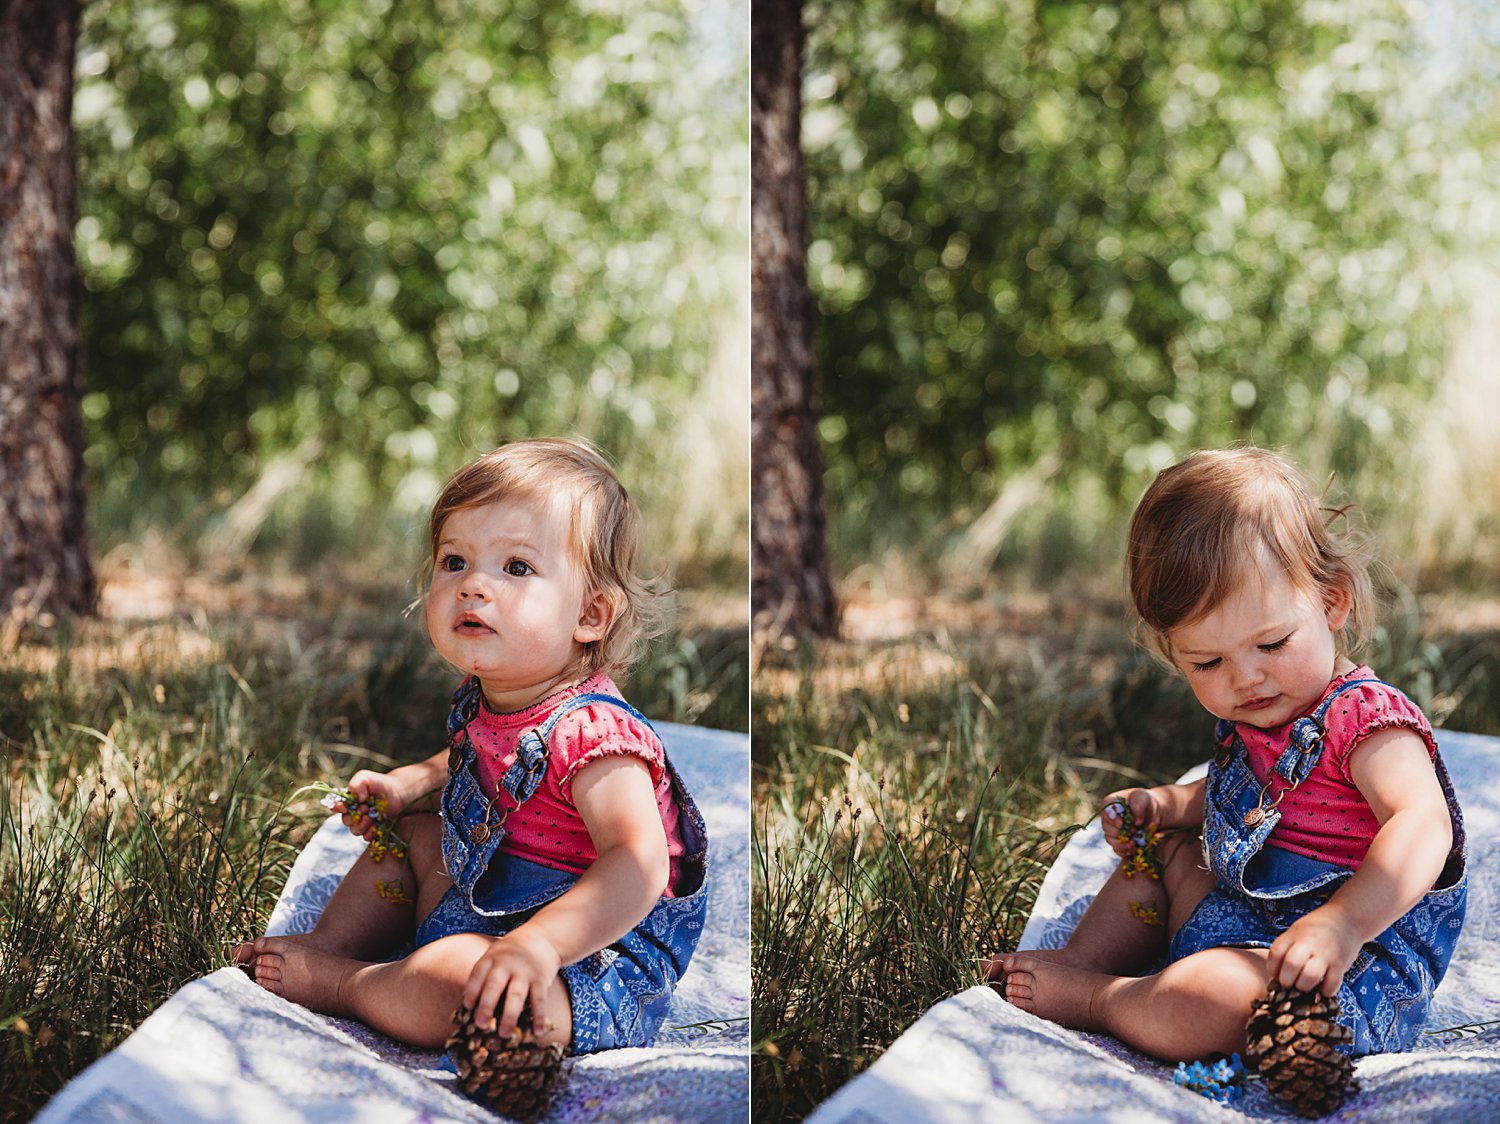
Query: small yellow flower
[
  {"x": 392, "y": 892},
  {"x": 1146, "y": 911},
  {"x": 384, "y": 841},
  {"x": 1142, "y": 858}
]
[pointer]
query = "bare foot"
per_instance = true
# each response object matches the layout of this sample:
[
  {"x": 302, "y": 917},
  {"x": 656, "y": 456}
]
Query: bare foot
[
  {"x": 994, "y": 969},
  {"x": 244, "y": 955},
  {"x": 301, "y": 971},
  {"x": 1053, "y": 990}
]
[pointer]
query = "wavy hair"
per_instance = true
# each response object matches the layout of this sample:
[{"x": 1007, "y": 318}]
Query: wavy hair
[
  {"x": 605, "y": 532},
  {"x": 1199, "y": 530}
]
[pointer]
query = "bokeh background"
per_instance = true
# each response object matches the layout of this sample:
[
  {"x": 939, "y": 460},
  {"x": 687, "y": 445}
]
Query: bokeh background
[
  {"x": 332, "y": 250},
  {"x": 1057, "y": 246}
]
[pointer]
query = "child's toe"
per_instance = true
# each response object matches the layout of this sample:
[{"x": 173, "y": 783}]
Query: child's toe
[
  {"x": 1018, "y": 989},
  {"x": 268, "y": 972}
]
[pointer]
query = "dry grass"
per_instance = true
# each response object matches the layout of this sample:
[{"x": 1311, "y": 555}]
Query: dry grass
[
  {"x": 148, "y": 755},
  {"x": 914, "y": 780}
]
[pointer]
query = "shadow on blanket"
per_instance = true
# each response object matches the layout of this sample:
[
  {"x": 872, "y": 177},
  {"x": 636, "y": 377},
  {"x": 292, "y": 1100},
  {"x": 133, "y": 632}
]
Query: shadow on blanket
[
  {"x": 224, "y": 1049},
  {"x": 975, "y": 1057}
]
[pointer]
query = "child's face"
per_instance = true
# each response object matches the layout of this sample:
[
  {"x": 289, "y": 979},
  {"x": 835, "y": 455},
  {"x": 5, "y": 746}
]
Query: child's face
[
  {"x": 508, "y": 601},
  {"x": 1265, "y": 654}
]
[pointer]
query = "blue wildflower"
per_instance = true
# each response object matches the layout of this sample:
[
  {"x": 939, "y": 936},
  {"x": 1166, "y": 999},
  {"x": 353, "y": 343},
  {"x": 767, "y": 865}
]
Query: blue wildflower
[{"x": 1223, "y": 1081}]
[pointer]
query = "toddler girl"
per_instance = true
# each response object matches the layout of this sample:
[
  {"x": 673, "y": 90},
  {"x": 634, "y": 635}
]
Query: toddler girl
[
  {"x": 1324, "y": 849},
  {"x": 563, "y": 867}
]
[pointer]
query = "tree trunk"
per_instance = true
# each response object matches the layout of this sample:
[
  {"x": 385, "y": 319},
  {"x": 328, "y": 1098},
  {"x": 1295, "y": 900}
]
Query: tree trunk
[
  {"x": 790, "y": 589},
  {"x": 44, "y": 553}
]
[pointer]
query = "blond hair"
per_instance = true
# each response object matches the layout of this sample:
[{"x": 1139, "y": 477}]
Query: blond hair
[
  {"x": 605, "y": 532},
  {"x": 1199, "y": 530}
]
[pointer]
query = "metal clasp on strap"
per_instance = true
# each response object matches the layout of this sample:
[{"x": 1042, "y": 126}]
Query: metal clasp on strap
[{"x": 1304, "y": 746}]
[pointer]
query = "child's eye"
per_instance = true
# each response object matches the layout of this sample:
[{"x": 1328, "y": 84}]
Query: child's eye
[
  {"x": 1206, "y": 665},
  {"x": 1276, "y": 645},
  {"x": 452, "y": 563},
  {"x": 518, "y": 569}
]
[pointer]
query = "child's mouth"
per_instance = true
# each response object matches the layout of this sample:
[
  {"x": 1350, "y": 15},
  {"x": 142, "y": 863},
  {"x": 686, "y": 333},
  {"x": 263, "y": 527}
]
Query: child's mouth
[{"x": 472, "y": 625}]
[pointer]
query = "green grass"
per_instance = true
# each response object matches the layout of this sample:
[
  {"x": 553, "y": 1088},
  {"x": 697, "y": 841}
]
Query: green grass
[
  {"x": 142, "y": 826},
  {"x": 910, "y": 795}
]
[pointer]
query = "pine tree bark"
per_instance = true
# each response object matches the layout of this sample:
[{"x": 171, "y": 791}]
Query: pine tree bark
[
  {"x": 45, "y": 565},
  {"x": 790, "y": 588}
]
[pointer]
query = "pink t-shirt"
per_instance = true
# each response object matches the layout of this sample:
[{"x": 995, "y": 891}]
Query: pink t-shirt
[
  {"x": 1326, "y": 817},
  {"x": 547, "y": 828}
]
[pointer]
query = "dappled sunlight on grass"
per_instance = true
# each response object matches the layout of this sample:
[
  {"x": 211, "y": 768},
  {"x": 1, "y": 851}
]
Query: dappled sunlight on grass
[
  {"x": 149, "y": 754},
  {"x": 914, "y": 781}
]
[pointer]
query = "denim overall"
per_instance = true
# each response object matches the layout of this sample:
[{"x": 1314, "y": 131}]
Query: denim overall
[
  {"x": 1261, "y": 890},
  {"x": 619, "y": 994}
]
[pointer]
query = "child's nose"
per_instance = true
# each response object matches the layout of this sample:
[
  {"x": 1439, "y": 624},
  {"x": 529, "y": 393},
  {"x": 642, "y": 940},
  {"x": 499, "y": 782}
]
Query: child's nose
[
  {"x": 1248, "y": 672},
  {"x": 474, "y": 586}
]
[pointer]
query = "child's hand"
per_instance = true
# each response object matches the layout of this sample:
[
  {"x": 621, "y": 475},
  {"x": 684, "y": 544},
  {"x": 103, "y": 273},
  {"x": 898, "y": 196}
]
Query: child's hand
[
  {"x": 1314, "y": 953},
  {"x": 1143, "y": 809},
  {"x": 521, "y": 967},
  {"x": 367, "y": 788}
]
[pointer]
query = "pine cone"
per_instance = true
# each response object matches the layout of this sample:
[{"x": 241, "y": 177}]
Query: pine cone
[
  {"x": 1292, "y": 1040},
  {"x": 516, "y": 1076}
]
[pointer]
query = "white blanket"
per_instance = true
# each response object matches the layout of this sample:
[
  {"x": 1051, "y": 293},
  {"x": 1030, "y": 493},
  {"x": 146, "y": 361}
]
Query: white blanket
[
  {"x": 974, "y": 1057},
  {"x": 223, "y": 1049}
]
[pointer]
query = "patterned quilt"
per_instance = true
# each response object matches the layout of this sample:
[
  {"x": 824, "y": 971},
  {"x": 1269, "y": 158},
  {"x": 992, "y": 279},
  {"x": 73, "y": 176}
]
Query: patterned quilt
[
  {"x": 974, "y": 1057},
  {"x": 223, "y": 1049}
]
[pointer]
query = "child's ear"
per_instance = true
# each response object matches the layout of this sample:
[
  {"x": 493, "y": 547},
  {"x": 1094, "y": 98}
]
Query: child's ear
[
  {"x": 1338, "y": 603},
  {"x": 594, "y": 618}
]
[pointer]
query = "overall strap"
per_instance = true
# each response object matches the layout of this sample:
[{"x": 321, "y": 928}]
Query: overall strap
[
  {"x": 577, "y": 701},
  {"x": 465, "y": 705},
  {"x": 524, "y": 777},
  {"x": 1305, "y": 743}
]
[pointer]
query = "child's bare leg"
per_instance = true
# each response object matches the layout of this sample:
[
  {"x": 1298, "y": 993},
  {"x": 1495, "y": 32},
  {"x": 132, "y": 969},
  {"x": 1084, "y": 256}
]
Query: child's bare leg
[
  {"x": 1191, "y": 1008},
  {"x": 377, "y": 904},
  {"x": 412, "y": 1000},
  {"x": 1109, "y": 938}
]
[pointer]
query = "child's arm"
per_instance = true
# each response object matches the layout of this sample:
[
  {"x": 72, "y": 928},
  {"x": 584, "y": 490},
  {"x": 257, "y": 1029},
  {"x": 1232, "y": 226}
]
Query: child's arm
[
  {"x": 617, "y": 801},
  {"x": 1164, "y": 807},
  {"x": 1393, "y": 771}
]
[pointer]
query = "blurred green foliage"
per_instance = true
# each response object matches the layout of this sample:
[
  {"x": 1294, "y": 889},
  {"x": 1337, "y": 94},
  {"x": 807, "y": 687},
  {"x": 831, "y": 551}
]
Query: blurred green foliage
[
  {"x": 369, "y": 239},
  {"x": 1115, "y": 232}
]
